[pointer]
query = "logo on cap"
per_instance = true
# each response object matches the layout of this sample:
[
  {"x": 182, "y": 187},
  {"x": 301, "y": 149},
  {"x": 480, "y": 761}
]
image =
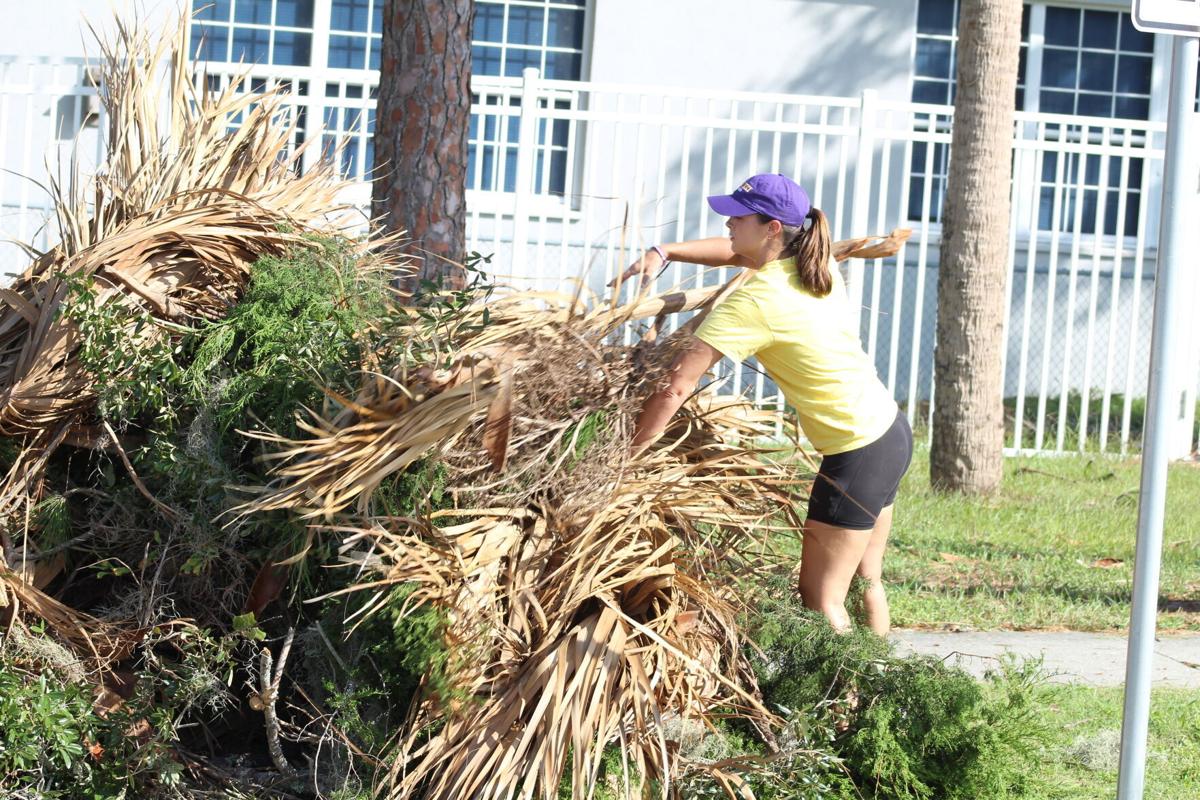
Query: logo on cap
[{"x": 746, "y": 187}]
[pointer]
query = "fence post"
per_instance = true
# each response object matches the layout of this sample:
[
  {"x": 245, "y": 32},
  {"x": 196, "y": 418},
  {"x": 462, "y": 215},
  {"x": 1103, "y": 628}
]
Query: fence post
[
  {"x": 860, "y": 210},
  {"x": 527, "y": 139}
]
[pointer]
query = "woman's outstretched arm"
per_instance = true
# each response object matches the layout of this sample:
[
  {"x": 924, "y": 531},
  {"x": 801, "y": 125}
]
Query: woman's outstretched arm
[
  {"x": 696, "y": 358},
  {"x": 714, "y": 251}
]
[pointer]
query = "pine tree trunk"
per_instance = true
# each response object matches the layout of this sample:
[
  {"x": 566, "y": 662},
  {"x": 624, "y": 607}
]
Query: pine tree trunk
[
  {"x": 968, "y": 418},
  {"x": 421, "y": 129}
]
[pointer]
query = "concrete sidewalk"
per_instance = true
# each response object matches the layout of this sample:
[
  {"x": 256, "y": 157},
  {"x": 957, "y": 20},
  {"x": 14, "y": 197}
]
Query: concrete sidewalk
[{"x": 1096, "y": 659}]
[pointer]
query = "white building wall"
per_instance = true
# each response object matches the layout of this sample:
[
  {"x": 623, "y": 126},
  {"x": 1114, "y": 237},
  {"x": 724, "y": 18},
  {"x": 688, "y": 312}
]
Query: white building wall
[
  {"x": 58, "y": 28},
  {"x": 787, "y": 46}
]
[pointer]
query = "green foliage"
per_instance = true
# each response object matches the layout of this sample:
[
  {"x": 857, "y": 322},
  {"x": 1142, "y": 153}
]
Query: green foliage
[
  {"x": 300, "y": 326},
  {"x": 131, "y": 360},
  {"x": 421, "y": 486},
  {"x": 43, "y": 730},
  {"x": 585, "y": 433},
  {"x": 52, "y": 519},
  {"x": 441, "y": 310},
  {"x": 55, "y": 744},
  {"x": 911, "y": 728},
  {"x": 368, "y": 678}
]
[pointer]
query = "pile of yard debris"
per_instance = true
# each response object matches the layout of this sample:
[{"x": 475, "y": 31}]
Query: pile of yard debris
[{"x": 270, "y": 526}]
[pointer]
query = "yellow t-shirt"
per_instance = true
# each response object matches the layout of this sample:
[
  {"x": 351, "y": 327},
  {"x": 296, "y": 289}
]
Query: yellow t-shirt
[{"x": 810, "y": 347}]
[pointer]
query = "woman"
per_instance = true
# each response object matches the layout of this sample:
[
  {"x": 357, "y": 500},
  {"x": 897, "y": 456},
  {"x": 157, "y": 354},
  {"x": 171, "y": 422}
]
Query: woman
[{"x": 793, "y": 314}]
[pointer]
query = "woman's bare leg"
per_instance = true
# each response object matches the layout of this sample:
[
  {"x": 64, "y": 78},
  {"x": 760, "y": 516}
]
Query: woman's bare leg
[
  {"x": 829, "y": 560},
  {"x": 870, "y": 568}
]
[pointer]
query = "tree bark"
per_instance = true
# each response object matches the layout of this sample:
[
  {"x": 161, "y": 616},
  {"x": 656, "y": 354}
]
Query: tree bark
[
  {"x": 968, "y": 418},
  {"x": 423, "y": 111}
]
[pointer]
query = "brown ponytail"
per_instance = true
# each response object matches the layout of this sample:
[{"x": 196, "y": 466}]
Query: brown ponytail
[{"x": 811, "y": 248}]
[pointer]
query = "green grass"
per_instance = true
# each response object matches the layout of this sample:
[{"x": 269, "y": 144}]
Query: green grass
[
  {"x": 1054, "y": 549},
  {"x": 1081, "y": 764}
]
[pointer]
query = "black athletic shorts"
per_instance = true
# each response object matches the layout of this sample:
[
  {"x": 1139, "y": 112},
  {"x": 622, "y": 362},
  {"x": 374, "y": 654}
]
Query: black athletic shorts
[{"x": 853, "y": 487}]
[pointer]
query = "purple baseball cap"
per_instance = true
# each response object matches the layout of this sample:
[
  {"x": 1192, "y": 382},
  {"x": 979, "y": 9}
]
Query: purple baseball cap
[{"x": 777, "y": 196}]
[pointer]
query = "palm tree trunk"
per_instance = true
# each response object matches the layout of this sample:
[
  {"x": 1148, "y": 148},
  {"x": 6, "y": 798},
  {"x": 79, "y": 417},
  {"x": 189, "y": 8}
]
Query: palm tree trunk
[
  {"x": 968, "y": 418},
  {"x": 421, "y": 129}
]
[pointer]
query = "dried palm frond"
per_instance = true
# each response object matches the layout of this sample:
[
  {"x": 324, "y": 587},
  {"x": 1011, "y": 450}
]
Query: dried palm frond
[
  {"x": 194, "y": 186},
  {"x": 182, "y": 204},
  {"x": 590, "y": 596}
]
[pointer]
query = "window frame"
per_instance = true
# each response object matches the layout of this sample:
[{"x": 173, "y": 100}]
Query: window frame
[{"x": 1159, "y": 76}]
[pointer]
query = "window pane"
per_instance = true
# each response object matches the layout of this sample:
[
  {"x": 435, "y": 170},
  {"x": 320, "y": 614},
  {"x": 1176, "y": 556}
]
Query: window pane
[
  {"x": 563, "y": 66},
  {"x": 525, "y": 25},
  {"x": 489, "y": 23},
  {"x": 1095, "y": 105},
  {"x": 935, "y": 16},
  {"x": 1133, "y": 108},
  {"x": 1087, "y": 220},
  {"x": 1062, "y": 26},
  {"x": 210, "y": 42},
  {"x": 1058, "y": 68},
  {"x": 377, "y": 16},
  {"x": 294, "y": 13},
  {"x": 934, "y": 58},
  {"x": 257, "y": 12},
  {"x": 251, "y": 45},
  {"x": 1046, "y": 209},
  {"x": 517, "y": 61},
  {"x": 931, "y": 92},
  {"x": 349, "y": 15},
  {"x": 1133, "y": 74},
  {"x": 1096, "y": 71},
  {"x": 1057, "y": 102},
  {"x": 293, "y": 49},
  {"x": 1049, "y": 165},
  {"x": 1133, "y": 39},
  {"x": 558, "y": 171},
  {"x": 1100, "y": 29},
  {"x": 373, "y": 62},
  {"x": 485, "y": 60},
  {"x": 346, "y": 52},
  {"x": 1133, "y": 180},
  {"x": 212, "y": 9},
  {"x": 565, "y": 29}
]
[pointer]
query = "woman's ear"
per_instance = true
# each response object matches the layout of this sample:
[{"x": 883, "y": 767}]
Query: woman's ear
[{"x": 774, "y": 228}]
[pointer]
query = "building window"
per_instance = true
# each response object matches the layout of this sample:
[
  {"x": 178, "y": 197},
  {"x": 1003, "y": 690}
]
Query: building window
[
  {"x": 355, "y": 34},
  {"x": 934, "y": 82},
  {"x": 254, "y": 31},
  {"x": 1095, "y": 64},
  {"x": 936, "y": 52},
  {"x": 1090, "y": 62},
  {"x": 510, "y": 36}
]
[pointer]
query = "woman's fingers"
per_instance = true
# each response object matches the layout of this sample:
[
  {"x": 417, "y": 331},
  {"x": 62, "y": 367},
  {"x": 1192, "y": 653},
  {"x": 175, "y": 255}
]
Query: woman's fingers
[{"x": 640, "y": 267}]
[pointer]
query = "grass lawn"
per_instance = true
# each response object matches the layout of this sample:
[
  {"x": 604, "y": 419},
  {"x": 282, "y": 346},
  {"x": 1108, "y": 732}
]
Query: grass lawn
[
  {"x": 1054, "y": 549},
  {"x": 1081, "y": 764}
]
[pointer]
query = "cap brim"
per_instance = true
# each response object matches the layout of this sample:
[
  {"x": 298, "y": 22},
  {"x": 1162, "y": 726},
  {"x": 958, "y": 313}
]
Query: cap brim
[{"x": 726, "y": 206}]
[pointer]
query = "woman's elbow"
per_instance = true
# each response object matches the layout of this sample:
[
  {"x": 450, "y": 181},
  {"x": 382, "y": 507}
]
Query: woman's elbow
[{"x": 679, "y": 389}]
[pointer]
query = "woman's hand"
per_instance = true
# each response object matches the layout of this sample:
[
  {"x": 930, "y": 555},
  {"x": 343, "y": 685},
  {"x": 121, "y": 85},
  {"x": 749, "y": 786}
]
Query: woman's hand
[{"x": 646, "y": 266}]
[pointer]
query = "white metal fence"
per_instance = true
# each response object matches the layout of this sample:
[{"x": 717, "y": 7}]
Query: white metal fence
[{"x": 568, "y": 181}]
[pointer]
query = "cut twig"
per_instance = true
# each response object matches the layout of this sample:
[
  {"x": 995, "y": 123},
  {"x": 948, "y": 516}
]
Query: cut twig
[{"x": 268, "y": 692}]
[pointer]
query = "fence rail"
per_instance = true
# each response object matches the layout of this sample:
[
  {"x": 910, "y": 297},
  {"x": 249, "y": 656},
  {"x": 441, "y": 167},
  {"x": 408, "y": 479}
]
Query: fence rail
[{"x": 567, "y": 181}]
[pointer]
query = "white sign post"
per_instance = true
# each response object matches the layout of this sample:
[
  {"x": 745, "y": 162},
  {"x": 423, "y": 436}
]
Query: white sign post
[{"x": 1180, "y": 18}]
